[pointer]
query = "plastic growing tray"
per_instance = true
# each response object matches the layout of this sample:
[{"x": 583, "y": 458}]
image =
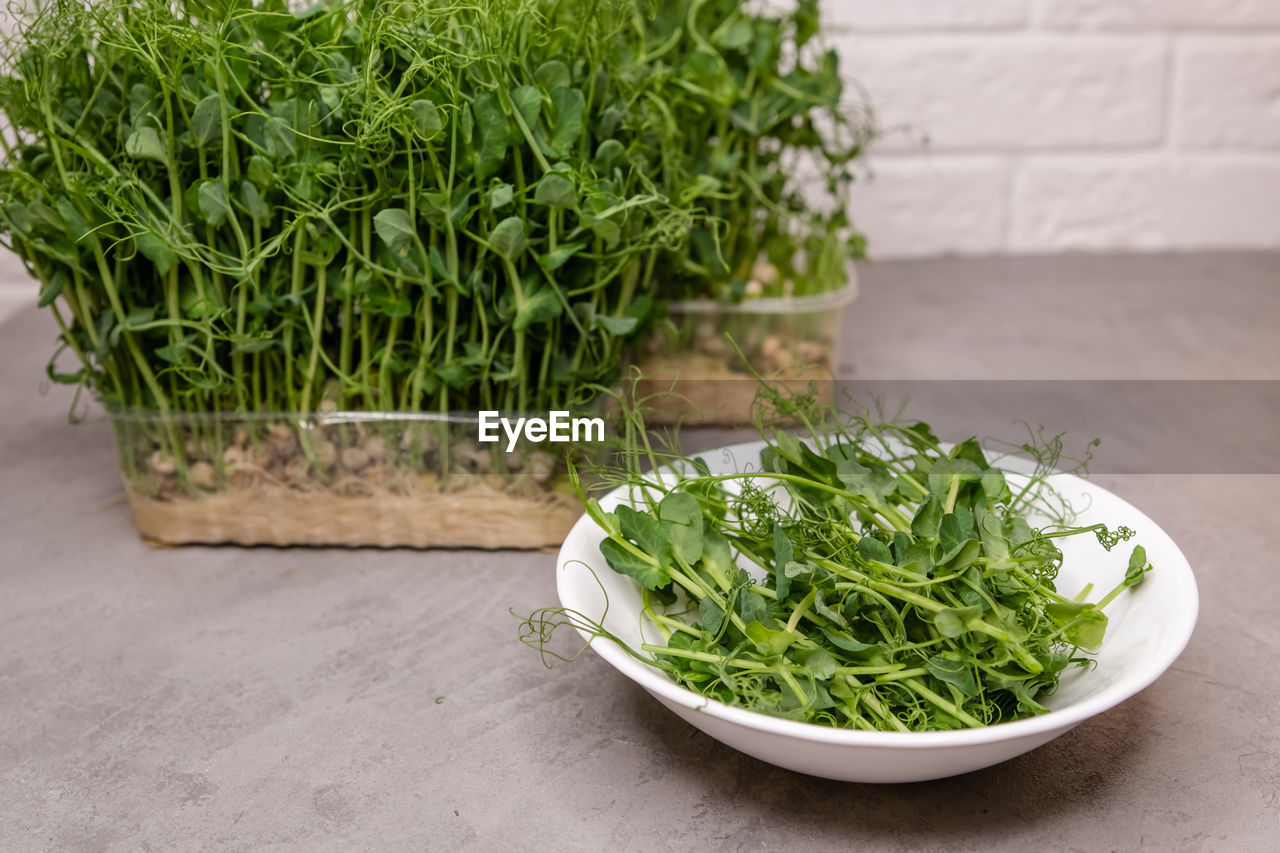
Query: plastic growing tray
[
  {"x": 694, "y": 374},
  {"x": 341, "y": 478}
]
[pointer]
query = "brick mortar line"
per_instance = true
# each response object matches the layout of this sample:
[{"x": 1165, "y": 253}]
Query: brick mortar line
[
  {"x": 941, "y": 33},
  {"x": 1003, "y": 37},
  {"x": 1152, "y": 153},
  {"x": 837, "y": 31}
]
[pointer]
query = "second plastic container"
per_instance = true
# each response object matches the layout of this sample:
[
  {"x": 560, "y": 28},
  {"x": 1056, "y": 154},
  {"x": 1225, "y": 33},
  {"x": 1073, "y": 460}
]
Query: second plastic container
[{"x": 693, "y": 373}]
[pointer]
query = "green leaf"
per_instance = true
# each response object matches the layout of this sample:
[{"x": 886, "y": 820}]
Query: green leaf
[
  {"x": 1089, "y": 631},
  {"x": 710, "y": 615},
  {"x": 380, "y": 300},
  {"x": 490, "y": 150},
  {"x": 252, "y": 201},
  {"x": 822, "y": 609},
  {"x": 682, "y": 515},
  {"x": 259, "y": 170},
  {"x": 157, "y": 251},
  {"x": 954, "y": 621},
  {"x": 861, "y": 480},
  {"x": 788, "y": 446},
  {"x": 1138, "y": 567},
  {"x": 994, "y": 485},
  {"x": 556, "y": 191},
  {"x": 1085, "y": 625},
  {"x": 846, "y": 643},
  {"x": 554, "y": 260},
  {"x": 769, "y": 642},
  {"x": 567, "y": 108},
  {"x": 433, "y": 207},
  {"x": 607, "y": 154},
  {"x": 528, "y": 103},
  {"x": 617, "y": 325},
  {"x": 948, "y": 668},
  {"x": 950, "y": 537},
  {"x": 45, "y": 218},
  {"x": 918, "y": 557},
  {"x": 500, "y": 196},
  {"x": 971, "y": 450},
  {"x": 16, "y": 215},
  {"x": 963, "y": 557},
  {"x": 174, "y": 352},
  {"x": 552, "y": 75},
  {"x": 737, "y": 35},
  {"x": 607, "y": 520},
  {"x": 139, "y": 316},
  {"x": 927, "y": 518},
  {"x": 1085, "y": 628},
  {"x": 1063, "y": 612},
  {"x": 706, "y": 69},
  {"x": 717, "y": 556},
  {"x": 991, "y": 531},
  {"x": 214, "y": 206},
  {"x": 438, "y": 265},
  {"x": 607, "y": 230},
  {"x": 808, "y": 571},
  {"x": 818, "y": 663},
  {"x": 872, "y": 549},
  {"x": 946, "y": 471},
  {"x": 206, "y": 120},
  {"x": 752, "y": 606},
  {"x": 508, "y": 238},
  {"x": 395, "y": 229},
  {"x": 279, "y": 139},
  {"x": 144, "y": 144},
  {"x": 539, "y": 306},
  {"x": 49, "y": 290},
  {"x": 645, "y": 531},
  {"x": 901, "y": 543},
  {"x": 624, "y": 562},
  {"x": 248, "y": 346},
  {"x": 76, "y": 227},
  {"x": 427, "y": 122}
]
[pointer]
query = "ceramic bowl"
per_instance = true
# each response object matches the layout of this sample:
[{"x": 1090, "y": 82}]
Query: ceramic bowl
[{"x": 1149, "y": 627}]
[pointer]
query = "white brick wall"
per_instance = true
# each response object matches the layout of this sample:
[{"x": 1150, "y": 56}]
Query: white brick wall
[{"x": 1068, "y": 125}]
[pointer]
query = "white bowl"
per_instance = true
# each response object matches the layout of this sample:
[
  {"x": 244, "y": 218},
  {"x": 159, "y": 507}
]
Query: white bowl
[{"x": 1149, "y": 627}]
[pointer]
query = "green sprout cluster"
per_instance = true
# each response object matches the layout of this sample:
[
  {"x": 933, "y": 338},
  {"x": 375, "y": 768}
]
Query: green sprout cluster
[
  {"x": 858, "y": 575},
  {"x": 399, "y": 205}
]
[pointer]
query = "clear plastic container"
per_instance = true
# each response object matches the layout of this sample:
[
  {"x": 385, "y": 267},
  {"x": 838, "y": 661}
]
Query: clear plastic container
[
  {"x": 343, "y": 478},
  {"x": 693, "y": 373}
]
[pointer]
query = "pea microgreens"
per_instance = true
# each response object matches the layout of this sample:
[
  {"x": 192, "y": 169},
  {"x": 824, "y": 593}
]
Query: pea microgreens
[
  {"x": 397, "y": 204},
  {"x": 765, "y": 112},
  {"x": 899, "y": 585}
]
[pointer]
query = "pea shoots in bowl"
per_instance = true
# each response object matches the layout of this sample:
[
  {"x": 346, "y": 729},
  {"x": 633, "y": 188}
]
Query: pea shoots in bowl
[{"x": 868, "y": 604}]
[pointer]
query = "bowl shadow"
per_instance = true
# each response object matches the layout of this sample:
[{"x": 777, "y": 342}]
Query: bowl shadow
[{"x": 1066, "y": 776}]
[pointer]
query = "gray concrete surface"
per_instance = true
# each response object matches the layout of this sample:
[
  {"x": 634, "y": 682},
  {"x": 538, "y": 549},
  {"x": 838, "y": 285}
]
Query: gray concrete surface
[{"x": 261, "y": 700}]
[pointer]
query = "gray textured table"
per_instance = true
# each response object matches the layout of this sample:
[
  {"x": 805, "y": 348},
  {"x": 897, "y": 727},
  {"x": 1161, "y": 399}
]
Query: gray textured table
[{"x": 230, "y": 699}]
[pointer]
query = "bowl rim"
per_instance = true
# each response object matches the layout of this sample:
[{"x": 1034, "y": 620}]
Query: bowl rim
[{"x": 652, "y": 680}]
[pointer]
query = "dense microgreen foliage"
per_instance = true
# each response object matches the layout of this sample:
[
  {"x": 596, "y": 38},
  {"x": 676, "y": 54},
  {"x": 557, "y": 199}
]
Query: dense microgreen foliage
[
  {"x": 893, "y": 583},
  {"x": 400, "y": 204},
  {"x": 769, "y": 138}
]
